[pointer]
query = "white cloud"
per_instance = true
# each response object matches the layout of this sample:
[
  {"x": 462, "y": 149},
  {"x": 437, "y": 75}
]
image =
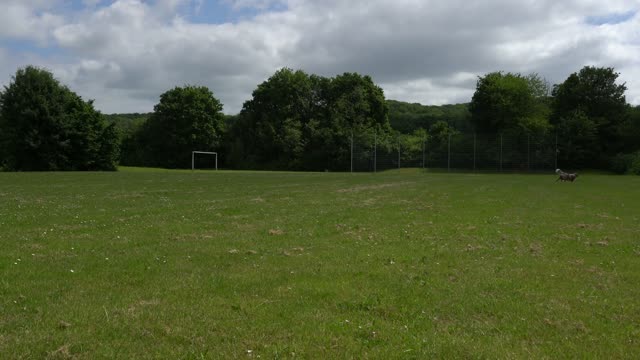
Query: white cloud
[
  {"x": 255, "y": 4},
  {"x": 125, "y": 53},
  {"x": 19, "y": 21}
]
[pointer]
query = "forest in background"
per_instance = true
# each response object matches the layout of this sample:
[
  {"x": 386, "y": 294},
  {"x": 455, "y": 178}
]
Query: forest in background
[{"x": 300, "y": 121}]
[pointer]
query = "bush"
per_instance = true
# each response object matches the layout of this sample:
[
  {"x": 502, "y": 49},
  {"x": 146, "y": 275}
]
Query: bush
[
  {"x": 635, "y": 164},
  {"x": 626, "y": 163}
]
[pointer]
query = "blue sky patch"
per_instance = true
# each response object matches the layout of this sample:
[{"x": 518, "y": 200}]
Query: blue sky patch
[
  {"x": 220, "y": 12},
  {"x": 29, "y": 47},
  {"x": 611, "y": 19}
]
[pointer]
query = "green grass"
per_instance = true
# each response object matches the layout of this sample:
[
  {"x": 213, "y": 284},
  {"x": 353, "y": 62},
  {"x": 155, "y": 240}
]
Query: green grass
[{"x": 402, "y": 264}]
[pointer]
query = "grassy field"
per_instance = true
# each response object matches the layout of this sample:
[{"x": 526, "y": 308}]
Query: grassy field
[{"x": 402, "y": 264}]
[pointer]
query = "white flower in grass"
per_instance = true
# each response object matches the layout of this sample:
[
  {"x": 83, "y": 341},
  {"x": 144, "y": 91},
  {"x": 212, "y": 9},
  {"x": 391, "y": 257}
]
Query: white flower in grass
[{"x": 71, "y": 270}]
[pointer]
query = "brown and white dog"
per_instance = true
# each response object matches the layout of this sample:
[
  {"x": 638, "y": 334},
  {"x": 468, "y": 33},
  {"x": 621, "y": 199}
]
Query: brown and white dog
[{"x": 563, "y": 176}]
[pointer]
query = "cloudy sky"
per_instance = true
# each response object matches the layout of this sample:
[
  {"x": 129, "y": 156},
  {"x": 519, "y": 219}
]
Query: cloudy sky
[{"x": 125, "y": 53}]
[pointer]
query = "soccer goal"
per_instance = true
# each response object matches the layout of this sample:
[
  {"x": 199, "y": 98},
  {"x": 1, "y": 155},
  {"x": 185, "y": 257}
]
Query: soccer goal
[{"x": 193, "y": 157}]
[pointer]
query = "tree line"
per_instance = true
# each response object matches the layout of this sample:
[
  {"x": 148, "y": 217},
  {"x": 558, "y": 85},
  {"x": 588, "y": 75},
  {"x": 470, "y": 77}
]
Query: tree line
[{"x": 300, "y": 121}]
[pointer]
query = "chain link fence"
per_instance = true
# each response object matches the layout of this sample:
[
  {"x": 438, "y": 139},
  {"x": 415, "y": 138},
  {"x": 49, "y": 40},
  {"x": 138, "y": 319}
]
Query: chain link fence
[{"x": 481, "y": 152}]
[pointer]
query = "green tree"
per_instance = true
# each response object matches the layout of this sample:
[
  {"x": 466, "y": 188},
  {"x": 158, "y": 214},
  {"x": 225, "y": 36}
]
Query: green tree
[
  {"x": 272, "y": 121},
  {"x": 629, "y": 130},
  {"x": 186, "y": 119},
  {"x": 356, "y": 107},
  {"x": 578, "y": 140},
  {"x": 507, "y": 102},
  {"x": 356, "y": 102},
  {"x": 593, "y": 92},
  {"x": 45, "y": 126},
  {"x": 297, "y": 121}
]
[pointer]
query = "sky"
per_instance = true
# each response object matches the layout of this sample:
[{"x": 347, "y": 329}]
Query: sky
[{"x": 125, "y": 53}]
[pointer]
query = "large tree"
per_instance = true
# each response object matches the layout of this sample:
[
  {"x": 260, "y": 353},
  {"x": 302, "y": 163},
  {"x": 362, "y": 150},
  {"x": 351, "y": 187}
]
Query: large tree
[
  {"x": 510, "y": 102},
  {"x": 45, "y": 126},
  {"x": 273, "y": 119},
  {"x": 300, "y": 121},
  {"x": 186, "y": 119},
  {"x": 594, "y": 93}
]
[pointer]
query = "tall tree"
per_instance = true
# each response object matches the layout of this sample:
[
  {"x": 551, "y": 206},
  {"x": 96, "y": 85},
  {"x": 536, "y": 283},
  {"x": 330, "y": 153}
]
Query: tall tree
[
  {"x": 297, "y": 121},
  {"x": 186, "y": 119},
  {"x": 357, "y": 102},
  {"x": 509, "y": 102},
  {"x": 629, "y": 130},
  {"x": 46, "y": 126},
  {"x": 272, "y": 120},
  {"x": 357, "y": 107},
  {"x": 593, "y": 92}
]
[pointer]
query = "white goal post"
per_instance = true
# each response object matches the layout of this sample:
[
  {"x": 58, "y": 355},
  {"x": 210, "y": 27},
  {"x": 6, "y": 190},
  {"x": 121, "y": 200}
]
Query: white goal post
[{"x": 193, "y": 157}]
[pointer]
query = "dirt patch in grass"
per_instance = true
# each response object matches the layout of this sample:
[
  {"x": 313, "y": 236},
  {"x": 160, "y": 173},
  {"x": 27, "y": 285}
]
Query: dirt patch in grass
[
  {"x": 373, "y": 187},
  {"x": 62, "y": 352}
]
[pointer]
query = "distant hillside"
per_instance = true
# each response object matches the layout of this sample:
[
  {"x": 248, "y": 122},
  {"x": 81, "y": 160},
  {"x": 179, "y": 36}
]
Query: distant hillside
[
  {"x": 403, "y": 116},
  {"x": 407, "y": 117},
  {"x": 127, "y": 123}
]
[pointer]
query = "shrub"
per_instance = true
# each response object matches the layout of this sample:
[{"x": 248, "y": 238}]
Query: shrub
[{"x": 626, "y": 163}]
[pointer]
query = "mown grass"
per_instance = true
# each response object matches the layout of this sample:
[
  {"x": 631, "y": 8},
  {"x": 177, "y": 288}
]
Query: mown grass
[{"x": 402, "y": 264}]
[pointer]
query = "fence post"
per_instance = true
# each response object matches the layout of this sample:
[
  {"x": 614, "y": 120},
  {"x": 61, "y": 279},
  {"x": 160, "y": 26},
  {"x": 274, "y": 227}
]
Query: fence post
[
  {"x": 556, "y": 163},
  {"x": 375, "y": 151},
  {"x": 474, "y": 151},
  {"x": 423, "y": 150},
  {"x": 500, "y": 152},
  {"x": 449, "y": 153},
  {"x": 351, "y": 150},
  {"x": 528, "y": 152},
  {"x": 398, "y": 153}
]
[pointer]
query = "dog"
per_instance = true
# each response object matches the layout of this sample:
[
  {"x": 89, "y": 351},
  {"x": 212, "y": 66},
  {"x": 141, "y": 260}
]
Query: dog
[{"x": 563, "y": 176}]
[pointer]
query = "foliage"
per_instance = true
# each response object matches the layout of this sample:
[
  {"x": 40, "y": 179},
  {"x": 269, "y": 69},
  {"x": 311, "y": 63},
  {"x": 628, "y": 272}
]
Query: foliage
[
  {"x": 593, "y": 92},
  {"x": 579, "y": 145},
  {"x": 406, "y": 117},
  {"x": 186, "y": 119},
  {"x": 629, "y": 130},
  {"x": 626, "y": 163},
  {"x": 297, "y": 121},
  {"x": 509, "y": 102},
  {"x": 128, "y": 127},
  {"x": 413, "y": 145},
  {"x": 126, "y": 124},
  {"x": 45, "y": 126}
]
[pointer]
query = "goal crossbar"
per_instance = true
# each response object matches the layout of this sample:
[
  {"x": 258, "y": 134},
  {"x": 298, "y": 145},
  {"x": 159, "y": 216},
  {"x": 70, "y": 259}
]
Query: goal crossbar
[{"x": 193, "y": 157}]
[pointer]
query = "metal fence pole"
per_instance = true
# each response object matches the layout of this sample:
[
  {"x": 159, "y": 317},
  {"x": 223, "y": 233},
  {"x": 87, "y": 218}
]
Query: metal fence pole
[
  {"x": 375, "y": 152},
  {"x": 556, "y": 163},
  {"x": 352, "y": 151},
  {"x": 529, "y": 152},
  {"x": 449, "y": 153},
  {"x": 398, "y": 153},
  {"x": 500, "y": 152},
  {"x": 424, "y": 141},
  {"x": 474, "y": 151}
]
